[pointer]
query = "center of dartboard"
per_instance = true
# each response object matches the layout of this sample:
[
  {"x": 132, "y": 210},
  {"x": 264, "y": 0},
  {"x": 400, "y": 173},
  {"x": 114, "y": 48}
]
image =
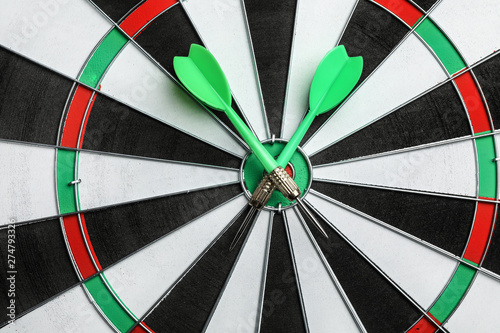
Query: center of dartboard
[{"x": 299, "y": 168}]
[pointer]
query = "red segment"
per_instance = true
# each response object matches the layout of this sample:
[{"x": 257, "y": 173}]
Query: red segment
[
  {"x": 474, "y": 103},
  {"x": 140, "y": 329},
  {"x": 480, "y": 232},
  {"x": 91, "y": 248},
  {"x": 77, "y": 245},
  {"x": 402, "y": 9},
  {"x": 424, "y": 325},
  {"x": 76, "y": 116},
  {"x": 142, "y": 15}
]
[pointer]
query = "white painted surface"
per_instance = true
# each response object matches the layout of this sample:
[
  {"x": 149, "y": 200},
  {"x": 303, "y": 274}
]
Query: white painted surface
[
  {"x": 318, "y": 27},
  {"x": 223, "y": 27},
  {"x": 478, "y": 311},
  {"x": 60, "y": 34},
  {"x": 69, "y": 312},
  {"x": 110, "y": 179},
  {"x": 418, "y": 270},
  {"x": 448, "y": 168},
  {"x": 135, "y": 80},
  {"x": 141, "y": 279},
  {"x": 406, "y": 73},
  {"x": 325, "y": 309},
  {"x": 473, "y": 26},
  {"x": 236, "y": 310},
  {"x": 27, "y": 182}
]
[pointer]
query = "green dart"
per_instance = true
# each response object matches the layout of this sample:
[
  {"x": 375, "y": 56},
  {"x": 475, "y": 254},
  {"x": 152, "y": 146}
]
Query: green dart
[
  {"x": 201, "y": 74},
  {"x": 335, "y": 77}
]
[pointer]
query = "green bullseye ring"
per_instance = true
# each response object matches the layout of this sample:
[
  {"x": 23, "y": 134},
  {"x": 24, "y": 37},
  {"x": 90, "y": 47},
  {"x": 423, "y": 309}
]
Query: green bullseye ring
[{"x": 253, "y": 171}]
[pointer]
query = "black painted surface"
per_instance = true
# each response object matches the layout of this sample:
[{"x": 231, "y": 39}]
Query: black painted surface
[
  {"x": 491, "y": 261},
  {"x": 119, "y": 231},
  {"x": 488, "y": 76},
  {"x": 371, "y": 33},
  {"x": 188, "y": 306},
  {"x": 114, "y": 127},
  {"x": 425, "y": 4},
  {"x": 380, "y": 306},
  {"x": 282, "y": 309},
  {"x": 43, "y": 265},
  {"x": 271, "y": 27},
  {"x": 32, "y": 100},
  {"x": 116, "y": 9},
  {"x": 170, "y": 35},
  {"x": 436, "y": 116},
  {"x": 443, "y": 222}
]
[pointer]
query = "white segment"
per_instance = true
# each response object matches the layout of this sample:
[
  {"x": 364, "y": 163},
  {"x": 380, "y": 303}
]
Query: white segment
[
  {"x": 406, "y": 73},
  {"x": 418, "y": 270},
  {"x": 324, "y": 306},
  {"x": 471, "y": 25},
  {"x": 318, "y": 27},
  {"x": 448, "y": 168},
  {"x": 68, "y": 312},
  {"x": 237, "y": 308},
  {"x": 60, "y": 34},
  {"x": 27, "y": 182},
  {"x": 110, "y": 179},
  {"x": 135, "y": 80},
  {"x": 478, "y": 311},
  {"x": 223, "y": 27},
  {"x": 141, "y": 279}
]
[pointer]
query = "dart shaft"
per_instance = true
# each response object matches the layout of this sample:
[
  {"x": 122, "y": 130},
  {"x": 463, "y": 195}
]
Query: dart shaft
[
  {"x": 294, "y": 142},
  {"x": 257, "y": 148}
]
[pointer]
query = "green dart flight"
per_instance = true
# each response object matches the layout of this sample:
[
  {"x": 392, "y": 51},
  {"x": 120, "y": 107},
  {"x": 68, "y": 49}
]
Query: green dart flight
[
  {"x": 202, "y": 75},
  {"x": 335, "y": 77}
]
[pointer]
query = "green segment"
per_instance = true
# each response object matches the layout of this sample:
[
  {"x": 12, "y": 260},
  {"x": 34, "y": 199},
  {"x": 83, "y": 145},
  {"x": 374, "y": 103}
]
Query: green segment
[
  {"x": 487, "y": 167},
  {"x": 102, "y": 57},
  {"x": 470, "y": 262},
  {"x": 108, "y": 304},
  {"x": 441, "y": 45},
  {"x": 453, "y": 293},
  {"x": 65, "y": 175},
  {"x": 254, "y": 171}
]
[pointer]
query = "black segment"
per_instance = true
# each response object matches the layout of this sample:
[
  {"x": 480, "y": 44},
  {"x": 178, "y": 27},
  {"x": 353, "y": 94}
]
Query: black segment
[
  {"x": 114, "y": 127},
  {"x": 282, "y": 311},
  {"x": 425, "y": 4},
  {"x": 119, "y": 231},
  {"x": 488, "y": 76},
  {"x": 170, "y": 35},
  {"x": 491, "y": 261},
  {"x": 372, "y": 33},
  {"x": 32, "y": 100},
  {"x": 443, "y": 222},
  {"x": 43, "y": 265},
  {"x": 188, "y": 306},
  {"x": 271, "y": 28},
  {"x": 378, "y": 304},
  {"x": 116, "y": 9},
  {"x": 436, "y": 116}
]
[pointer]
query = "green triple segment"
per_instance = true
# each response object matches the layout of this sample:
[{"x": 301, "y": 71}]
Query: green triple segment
[
  {"x": 109, "y": 305},
  {"x": 487, "y": 167},
  {"x": 102, "y": 57},
  {"x": 65, "y": 175},
  {"x": 452, "y": 295},
  {"x": 441, "y": 45}
]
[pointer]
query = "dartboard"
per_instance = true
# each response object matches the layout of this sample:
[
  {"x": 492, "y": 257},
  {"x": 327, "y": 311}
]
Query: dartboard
[{"x": 120, "y": 193}]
